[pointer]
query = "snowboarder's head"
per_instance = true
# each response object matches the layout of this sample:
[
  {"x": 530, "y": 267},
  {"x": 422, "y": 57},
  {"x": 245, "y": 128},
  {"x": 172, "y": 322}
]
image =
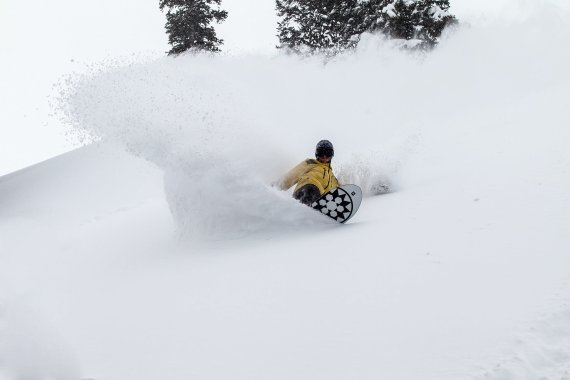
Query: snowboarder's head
[{"x": 324, "y": 151}]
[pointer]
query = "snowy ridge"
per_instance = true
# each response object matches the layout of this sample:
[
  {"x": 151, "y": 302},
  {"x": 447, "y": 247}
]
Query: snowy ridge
[{"x": 461, "y": 272}]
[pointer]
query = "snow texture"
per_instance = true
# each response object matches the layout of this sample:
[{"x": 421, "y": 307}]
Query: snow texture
[{"x": 162, "y": 252}]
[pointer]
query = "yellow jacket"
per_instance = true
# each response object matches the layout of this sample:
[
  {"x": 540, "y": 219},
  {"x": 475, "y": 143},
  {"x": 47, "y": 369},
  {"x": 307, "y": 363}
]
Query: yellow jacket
[{"x": 312, "y": 172}]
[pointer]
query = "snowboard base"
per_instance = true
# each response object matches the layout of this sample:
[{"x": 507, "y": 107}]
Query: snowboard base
[{"x": 340, "y": 203}]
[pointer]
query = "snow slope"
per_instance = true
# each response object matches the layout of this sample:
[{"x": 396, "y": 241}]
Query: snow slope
[{"x": 117, "y": 265}]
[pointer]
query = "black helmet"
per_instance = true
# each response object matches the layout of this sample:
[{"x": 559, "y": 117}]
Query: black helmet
[{"x": 324, "y": 148}]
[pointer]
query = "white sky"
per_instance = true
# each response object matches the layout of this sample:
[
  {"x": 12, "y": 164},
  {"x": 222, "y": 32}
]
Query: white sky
[{"x": 40, "y": 41}]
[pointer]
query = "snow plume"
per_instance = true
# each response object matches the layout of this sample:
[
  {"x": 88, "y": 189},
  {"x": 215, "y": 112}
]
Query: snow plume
[
  {"x": 198, "y": 124},
  {"x": 220, "y": 200},
  {"x": 223, "y": 127}
]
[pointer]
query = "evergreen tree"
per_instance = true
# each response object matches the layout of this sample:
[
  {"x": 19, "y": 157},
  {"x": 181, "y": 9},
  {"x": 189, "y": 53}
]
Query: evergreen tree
[
  {"x": 399, "y": 20},
  {"x": 420, "y": 20},
  {"x": 335, "y": 25},
  {"x": 188, "y": 24},
  {"x": 434, "y": 18},
  {"x": 318, "y": 25}
]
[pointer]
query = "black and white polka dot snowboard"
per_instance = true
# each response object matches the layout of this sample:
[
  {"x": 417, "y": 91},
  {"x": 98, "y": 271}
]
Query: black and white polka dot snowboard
[{"x": 340, "y": 203}]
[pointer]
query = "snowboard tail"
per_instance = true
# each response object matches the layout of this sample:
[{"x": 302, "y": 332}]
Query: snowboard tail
[{"x": 341, "y": 203}]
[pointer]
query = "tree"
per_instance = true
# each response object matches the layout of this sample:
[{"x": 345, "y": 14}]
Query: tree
[
  {"x": 336, "y": 25},
  {"x": 318, "y": 25},
  {"x": 422, "y": 21},
  {"x": 188, "y": 24},
  {"x": 434, "y": 18}
]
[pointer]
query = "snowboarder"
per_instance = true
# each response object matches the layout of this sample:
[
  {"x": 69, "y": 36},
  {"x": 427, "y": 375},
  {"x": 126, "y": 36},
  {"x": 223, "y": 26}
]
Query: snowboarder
[{"x": 312, "y": 177}]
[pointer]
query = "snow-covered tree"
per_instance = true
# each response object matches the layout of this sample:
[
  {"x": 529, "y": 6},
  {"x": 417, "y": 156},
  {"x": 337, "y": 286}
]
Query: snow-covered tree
[
  {"x": 421, "y": 21},
  {"x": 434, "y": 17},
  {"x": 188, "y": 24},
  {"x": 335, "y": 25},
  {"x": 318, "y": 25}
]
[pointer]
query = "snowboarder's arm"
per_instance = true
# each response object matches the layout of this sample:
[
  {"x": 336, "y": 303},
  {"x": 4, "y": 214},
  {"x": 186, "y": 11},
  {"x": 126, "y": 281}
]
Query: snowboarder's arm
[{"x": 292, "y": 177}]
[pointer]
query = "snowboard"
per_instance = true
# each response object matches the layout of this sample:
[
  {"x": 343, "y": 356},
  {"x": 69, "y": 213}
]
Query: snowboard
[{"x": 341, "y": 203}]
